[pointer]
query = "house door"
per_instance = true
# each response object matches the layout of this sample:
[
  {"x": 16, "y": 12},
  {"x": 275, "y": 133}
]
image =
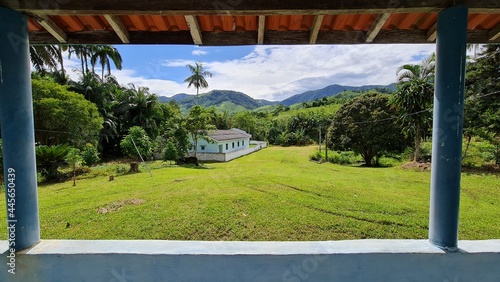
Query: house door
[{"x": 220, "y": 148}]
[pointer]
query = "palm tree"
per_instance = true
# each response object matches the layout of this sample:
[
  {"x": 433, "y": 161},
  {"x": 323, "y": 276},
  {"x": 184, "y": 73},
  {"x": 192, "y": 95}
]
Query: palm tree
[
  {"x": 105, "y": 54},
  {"x": 414, "y": 98},
  {"x": 197, "y": 78},
  {"x": 83, "y": 53},
  {"x": 44, "y": 57}
]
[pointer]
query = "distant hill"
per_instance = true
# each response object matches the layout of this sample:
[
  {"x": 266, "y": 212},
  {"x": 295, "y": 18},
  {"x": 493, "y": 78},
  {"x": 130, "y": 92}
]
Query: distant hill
[
  {"x": 229, "y": 100},
  {"x": 176, "y": 97},
  {"x": 234, "y": 101},
  {"x": 332, "y": 90}
]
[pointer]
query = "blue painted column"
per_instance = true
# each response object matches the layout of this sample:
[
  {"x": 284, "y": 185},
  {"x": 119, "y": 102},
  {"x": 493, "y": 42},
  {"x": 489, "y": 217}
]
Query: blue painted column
[
  {"x": 448, "y": 126},
  {"x": 16, "y": 117}
]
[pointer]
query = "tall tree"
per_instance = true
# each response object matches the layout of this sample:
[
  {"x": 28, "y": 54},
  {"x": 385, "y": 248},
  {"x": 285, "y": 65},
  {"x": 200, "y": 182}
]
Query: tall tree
[
  {"x": 197, "y": 125},
  {"x": 44, "y": 57},
  {"x": 414, "y": 98},
  {"x": 197, "y": 77},
  {"x": 365, "y": 126},
  {"x": 106, "y": 54}
]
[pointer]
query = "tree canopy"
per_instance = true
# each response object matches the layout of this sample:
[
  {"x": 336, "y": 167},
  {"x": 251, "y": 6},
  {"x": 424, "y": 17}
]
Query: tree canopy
[
  {"x": 62, "y": 116},
  {"x": 366, "y": 125}
]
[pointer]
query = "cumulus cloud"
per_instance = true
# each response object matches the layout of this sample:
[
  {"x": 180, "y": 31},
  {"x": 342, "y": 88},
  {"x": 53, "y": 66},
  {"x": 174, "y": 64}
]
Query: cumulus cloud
[
  {"x": 277, "y": 72},
  {"x": 198, "y": 52}
]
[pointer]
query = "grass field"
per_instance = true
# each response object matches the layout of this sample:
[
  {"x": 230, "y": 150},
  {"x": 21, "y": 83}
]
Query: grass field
[{"x": 274, "y": 194}]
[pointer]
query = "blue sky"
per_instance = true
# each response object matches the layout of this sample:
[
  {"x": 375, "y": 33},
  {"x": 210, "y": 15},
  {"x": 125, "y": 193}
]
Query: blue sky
[{"x": 264, "y": 72}]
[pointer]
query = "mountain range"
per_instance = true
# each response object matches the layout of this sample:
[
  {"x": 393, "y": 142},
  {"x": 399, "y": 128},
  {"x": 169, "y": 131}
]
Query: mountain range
[{"x": 234, "y": 101}]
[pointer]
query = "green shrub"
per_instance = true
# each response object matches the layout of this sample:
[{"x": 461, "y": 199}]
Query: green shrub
[
  {"x": 344, "y": 158},
  {"x": 316, "y": 156},
  {"x": 49, "y": 159},
  {"x": 478, "y": 154},
  {"x": 137, "y": 140},
  {"x": 426, "y": 151},
  {"x": 90, "y": 155}
]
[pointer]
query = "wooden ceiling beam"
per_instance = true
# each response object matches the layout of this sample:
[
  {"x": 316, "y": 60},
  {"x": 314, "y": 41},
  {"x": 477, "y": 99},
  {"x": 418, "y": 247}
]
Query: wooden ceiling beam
[
  {"x": 52, "y": 28},
  {"x": 261, "y": 29},
  {"x": 494, "y": 34},
  {"x": 377, "y": 26},
  {"x": 118, "y": 27},
  {"x": 316, "y": 26},
  {"x": 250, "y": 37},
  {"x": 243, "y": 7},
  {"x": 432, "y": 33},
  {"x": 194, "y": 28}
]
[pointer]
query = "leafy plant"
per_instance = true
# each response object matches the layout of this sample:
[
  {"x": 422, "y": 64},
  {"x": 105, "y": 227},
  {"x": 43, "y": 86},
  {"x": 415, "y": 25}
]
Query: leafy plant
[
  {"x": 49, "y": 159},
  {"x": 137, "y": 140},
  {"x": 74, "y": 159},
  {"x": 170, "y": 153},
  {"x": 90, "y": 155}
]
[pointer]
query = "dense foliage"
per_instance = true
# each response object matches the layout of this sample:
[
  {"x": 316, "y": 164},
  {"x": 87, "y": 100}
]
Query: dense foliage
[
  {"x": 366, "y": 125},
  {"x": 62, "y": 116}
]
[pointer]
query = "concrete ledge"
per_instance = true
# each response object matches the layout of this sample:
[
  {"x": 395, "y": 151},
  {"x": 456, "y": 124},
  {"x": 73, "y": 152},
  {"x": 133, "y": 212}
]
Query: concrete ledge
[{"x": 355, "y": 260}]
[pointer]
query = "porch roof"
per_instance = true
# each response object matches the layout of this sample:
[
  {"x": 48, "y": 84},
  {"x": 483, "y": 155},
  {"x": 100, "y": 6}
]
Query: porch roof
[{"x": 249, "y": 22}]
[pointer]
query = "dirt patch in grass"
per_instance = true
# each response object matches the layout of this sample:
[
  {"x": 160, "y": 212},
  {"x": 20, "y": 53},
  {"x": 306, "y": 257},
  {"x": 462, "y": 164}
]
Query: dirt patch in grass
[
  {"x": 117, "y": 205},
  {"x": 416, "y": 166}
]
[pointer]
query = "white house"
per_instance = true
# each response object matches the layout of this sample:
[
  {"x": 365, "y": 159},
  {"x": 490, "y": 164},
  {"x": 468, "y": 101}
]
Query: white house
[
  {"x": 224, "y": 141},
  {"x": 225, "y": 145}
]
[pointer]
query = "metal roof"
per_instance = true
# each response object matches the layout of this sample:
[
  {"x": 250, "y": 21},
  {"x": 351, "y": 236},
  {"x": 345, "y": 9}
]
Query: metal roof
[
  {"x": 230, "y": 134},
  {"x": 248, "y": 22}
]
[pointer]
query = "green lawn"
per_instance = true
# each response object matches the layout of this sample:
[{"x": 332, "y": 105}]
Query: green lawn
[{"x": 274, "y": 194}]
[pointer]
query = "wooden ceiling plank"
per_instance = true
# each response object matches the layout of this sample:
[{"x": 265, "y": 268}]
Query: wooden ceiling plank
[
  {"x": 377, "y": 26},
  {"x": 118, "y": 27},
  {"x": 261, "y": 29},
  {"x": 432, "y": 33},
  {"x": 194, "y": 28},
  {"x": 316, "y": 26},
  {"x": 494, "y": 34},
  {"x": 53, "y": 29},
  {"x": 244, "y": 7}
]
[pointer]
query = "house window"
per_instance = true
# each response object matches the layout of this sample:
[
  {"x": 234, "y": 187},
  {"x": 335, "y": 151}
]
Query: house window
[
  {"x": 243, "y": 143},
  {"x": 238, "y": 143},
  {"x": 233, "y": 144},
  {"x": 202, "y": 147},
  {"x": 227, "y": 146}
]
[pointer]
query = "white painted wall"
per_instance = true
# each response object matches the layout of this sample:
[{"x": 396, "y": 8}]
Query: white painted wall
[
  {"x": 158, "y": 260},
  {"x": 214, "y": 147}
]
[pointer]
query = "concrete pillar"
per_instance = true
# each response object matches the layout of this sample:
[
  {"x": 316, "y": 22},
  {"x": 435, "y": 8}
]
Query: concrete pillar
[
  {"x": 448, "y": 126},
  {"x": 16, "y": 117}
]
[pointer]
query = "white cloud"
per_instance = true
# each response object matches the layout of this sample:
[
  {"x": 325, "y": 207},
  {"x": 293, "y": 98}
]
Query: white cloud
[
  {"x": 277, "y": 72},
  {"x": 199, "y": 52},
  {"x": 160, "y": 87}
]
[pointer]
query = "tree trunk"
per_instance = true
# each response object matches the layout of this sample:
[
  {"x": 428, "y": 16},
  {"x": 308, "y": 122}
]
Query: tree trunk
[
  {"x": 134, "y": 167},
  {"x": 74, "y": 176},
  {"x": 416, "y": 153},
  {"x": 469, "y": 138}
]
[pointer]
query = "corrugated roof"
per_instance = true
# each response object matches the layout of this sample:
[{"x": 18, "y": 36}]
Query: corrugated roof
[
  {"x": 242, "y": 22},
  {"x": 230, "y": 134}
]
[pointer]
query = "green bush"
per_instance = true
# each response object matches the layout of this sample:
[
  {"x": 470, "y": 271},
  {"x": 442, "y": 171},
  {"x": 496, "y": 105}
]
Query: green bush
[
  {"x": 49, "y": 159},
  {"x": 478, "y": 154},
  {"x": 137, "y": 139},
  {"x": 426, "y": 151},
  {"x": 90, "y": 155},
  {"x": 344, "y": 158},
  {"x": 316, "y": 156}
]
